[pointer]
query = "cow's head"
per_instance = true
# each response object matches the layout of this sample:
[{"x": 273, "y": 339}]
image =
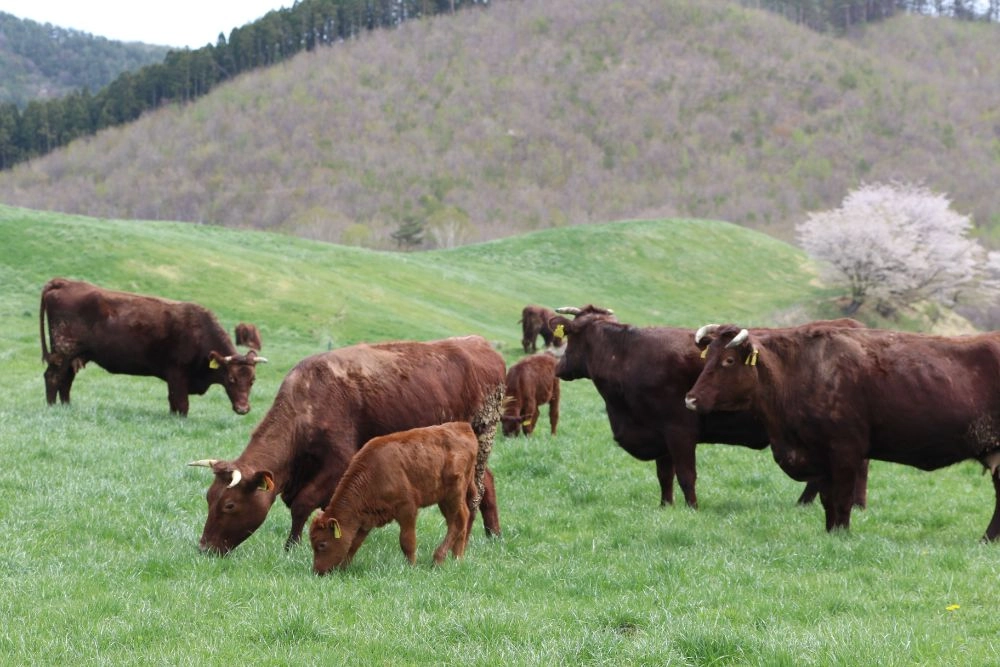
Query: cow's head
[
  {"x": 728, "y": 380},
  {"x": 330, "y": 545},
  {"x": 238, "y": 502},
  {"x": 571, "y": 334},
  {"x": 236, "y": 372}
]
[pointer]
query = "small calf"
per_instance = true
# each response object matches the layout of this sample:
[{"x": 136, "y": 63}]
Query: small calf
[
  {"x": 248, "y": 335},
  {"x": 531, "y": 382},
  {"x": 391, "y": 478}
]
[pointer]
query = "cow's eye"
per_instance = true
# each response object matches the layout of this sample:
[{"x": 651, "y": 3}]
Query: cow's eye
[
  {"x": 728, "y": 361},
  {"x": 229, "y": 506},
  {"x": 321, "y": 546}
]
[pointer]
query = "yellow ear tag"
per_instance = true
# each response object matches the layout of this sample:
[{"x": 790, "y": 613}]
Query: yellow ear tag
[
  {"x": 336, "y": 529},
  {"x": 751, "y": 360},
  {"x": 527, "y": 422},
  {"x": 213, "y": 364},
  {"x": 559, "y": 332},
  {"x": 704, "y": 353}
]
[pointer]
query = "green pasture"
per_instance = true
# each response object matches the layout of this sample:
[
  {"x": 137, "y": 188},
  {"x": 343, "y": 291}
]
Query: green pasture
[{"x": 100, "y": 516}]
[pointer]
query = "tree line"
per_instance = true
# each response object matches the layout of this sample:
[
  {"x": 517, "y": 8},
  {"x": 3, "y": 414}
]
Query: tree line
[
  {"x": 44, "y": 125},
  {"x": 840, "y": 15}
]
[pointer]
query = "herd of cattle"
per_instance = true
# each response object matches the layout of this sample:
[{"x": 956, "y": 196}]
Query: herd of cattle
[{"x": 826, "y": 397}]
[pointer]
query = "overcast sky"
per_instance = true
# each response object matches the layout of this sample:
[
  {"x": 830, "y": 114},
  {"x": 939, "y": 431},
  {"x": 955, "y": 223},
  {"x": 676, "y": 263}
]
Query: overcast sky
[{"x": 191, "y": 23}]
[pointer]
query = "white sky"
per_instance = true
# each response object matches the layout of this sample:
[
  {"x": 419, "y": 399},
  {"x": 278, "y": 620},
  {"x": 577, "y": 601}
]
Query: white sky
[{"x": 191, "y": 23}]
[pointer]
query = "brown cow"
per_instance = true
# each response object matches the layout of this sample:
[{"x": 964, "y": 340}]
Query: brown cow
[
  {"x": 248, "y": 336},
  {"x": 642, "y": 374},
  {"x": 531, "y": 383},
  {"x": 329, "y": 405},
  {"x": 534, "y": 322},
  {"x": 390, "y": 479},
  {"x": 181, "y": 343},
  {"x": 830, "y": 398}
]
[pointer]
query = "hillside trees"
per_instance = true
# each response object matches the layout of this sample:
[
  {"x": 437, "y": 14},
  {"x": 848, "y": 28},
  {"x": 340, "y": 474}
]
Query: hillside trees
[
  {"x": 897, "y": 244},
  {"x": 186, "y": 75}
]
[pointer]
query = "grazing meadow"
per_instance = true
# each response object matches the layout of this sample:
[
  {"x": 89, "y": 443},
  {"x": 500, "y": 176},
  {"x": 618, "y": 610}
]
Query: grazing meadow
[{"x": 100, "y": 517}]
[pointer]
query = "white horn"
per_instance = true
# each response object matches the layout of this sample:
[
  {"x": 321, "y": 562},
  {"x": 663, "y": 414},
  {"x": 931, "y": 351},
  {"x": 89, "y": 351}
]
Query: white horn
[
  {"x": 228, "y": 359},
  {"x": 738, "y": 339},
  {"x": 705, "y": 330},
  {"x": 204, "y": 463},
  {"x": 261, "y": 360},
  {"x": 569, "y": 310},
  {"x": 237, "y": 476}
]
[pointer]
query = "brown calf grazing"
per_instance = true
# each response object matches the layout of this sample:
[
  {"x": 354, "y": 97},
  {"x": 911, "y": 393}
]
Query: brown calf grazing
[
  {"x": 531, "y": 383},
  {"x": 390, "y": 479},
  {"x": 132, "y": 334},
  {"x": 248, "y": 336},
  {"x": 832, "y": 397},
  {"x": 331, "y": 404},
  {"x": 534, "y": 322}
]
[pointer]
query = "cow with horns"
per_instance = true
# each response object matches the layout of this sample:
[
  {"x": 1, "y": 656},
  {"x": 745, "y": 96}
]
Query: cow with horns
[
  {"x": 133, "y": 334},
  {"x": 331, "y": 404},
  {"x": 833, "y": 397}
]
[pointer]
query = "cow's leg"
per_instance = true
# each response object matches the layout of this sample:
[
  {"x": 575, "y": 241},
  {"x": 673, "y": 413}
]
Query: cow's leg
[
  {"x": 861, "y": 486},
  {"x": 687, "y": 474},
  {"x": 665, "y": 474},
  {"x": 177, "y": 391},
  {"x": 359, "y": 538},
  {"x": 838, "y": 496},
  {"x": 809, "y": 493},
  {"x": 529, "y": 416},
  {"x": 554, "y": 409},
  {"x": 456, "y": 514},
  {"x": 488, "y": 506},
  {"x": 407, "y": 519},
  {"x": 993, "y": 530}
]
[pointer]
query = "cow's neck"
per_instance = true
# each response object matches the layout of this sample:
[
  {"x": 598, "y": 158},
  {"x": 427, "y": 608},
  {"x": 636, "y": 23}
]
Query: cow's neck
[{"x": 271, "y": 445}]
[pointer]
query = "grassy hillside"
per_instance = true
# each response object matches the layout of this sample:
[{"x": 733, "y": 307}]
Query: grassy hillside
[
  {"x": 539, "y": 114},
  {"x": 100, "y": 517}
]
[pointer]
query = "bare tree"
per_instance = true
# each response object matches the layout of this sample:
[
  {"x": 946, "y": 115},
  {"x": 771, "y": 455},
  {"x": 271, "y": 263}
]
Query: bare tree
[{"x": 897, "y": 244}]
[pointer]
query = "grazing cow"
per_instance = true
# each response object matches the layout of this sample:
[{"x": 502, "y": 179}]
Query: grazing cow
[
  {"x": 642, "y": 374},
  {"x": 534, "y": 321},
  {"x": 248, "y": 336},
  {"x": 329, "y": 405},
  {"x": 531, "y": 383},
  {"x": 831, "y": 398},
  {"x": 181, "y": 343},
  {"x": 390, "y": 479}
]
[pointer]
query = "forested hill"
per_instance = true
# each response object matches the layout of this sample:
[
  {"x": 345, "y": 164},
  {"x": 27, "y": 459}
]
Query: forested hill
[
  {"x": 541, "y": 113},
  {"x": 41, "y": 61}
]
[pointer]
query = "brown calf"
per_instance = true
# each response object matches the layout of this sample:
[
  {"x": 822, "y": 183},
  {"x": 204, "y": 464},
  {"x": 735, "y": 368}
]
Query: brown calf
[
  {"x": 248, "y": 336},
  {"x": 390, "y": 479},
  {"x": 531, "y": 382}
]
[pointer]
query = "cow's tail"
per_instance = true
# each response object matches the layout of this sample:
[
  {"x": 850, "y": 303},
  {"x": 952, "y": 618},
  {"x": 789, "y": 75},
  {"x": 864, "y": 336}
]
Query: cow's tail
[
  {"x": 485, "y": 427},
  {"x": 41, "y": 322}
]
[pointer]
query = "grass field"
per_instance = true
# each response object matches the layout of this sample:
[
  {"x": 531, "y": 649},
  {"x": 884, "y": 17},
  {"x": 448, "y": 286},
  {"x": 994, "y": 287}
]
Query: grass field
[{"x": 100, "y": 517}]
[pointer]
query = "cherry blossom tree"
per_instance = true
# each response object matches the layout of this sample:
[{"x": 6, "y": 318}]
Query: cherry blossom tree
[{"x": 897, "y": 244}]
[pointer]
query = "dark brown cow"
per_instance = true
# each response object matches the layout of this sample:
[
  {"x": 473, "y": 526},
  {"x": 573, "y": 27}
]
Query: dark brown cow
[
  {"x": 534, "y": 322},
  {"x": 248, "y": 336},
  {"x": 642, "y": 374},
  {"x": 831, "y": 398},
  {"x": 181, "y": 343},
  {"x": 329, "y": 405},
  {"x": 531, "y": 383},
  {"x": 390, "y": 479}
]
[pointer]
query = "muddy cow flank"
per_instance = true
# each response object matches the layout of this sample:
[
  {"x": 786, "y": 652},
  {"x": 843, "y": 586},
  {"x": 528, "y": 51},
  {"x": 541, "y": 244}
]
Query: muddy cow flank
[
  {"x": 331, "y": 404},
  {"x": 247, "y": 335},
  {"x": 390, "y": 479},
  {"x": 531, "y": 383},
  {"x": 534, "y": 323},
  {"x": 833, "y": 397},
  {"x": 132, "y": 334}
]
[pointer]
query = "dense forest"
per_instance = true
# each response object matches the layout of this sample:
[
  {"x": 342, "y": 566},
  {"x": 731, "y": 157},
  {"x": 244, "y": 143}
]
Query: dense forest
[
  {"x": 542, "y": 113},
  {"x": 42, "y": 61}
]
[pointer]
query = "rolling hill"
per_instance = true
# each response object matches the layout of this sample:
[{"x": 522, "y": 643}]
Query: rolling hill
[{"x": 546, "y": 113}]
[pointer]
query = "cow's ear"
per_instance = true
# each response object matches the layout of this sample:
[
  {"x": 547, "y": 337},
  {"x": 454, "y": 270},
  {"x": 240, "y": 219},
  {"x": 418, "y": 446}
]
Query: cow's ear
[
  {"x": 559, "y": 326},
  {"x": 264, "y": 481},
  {"x": 215, "y": 360}
]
